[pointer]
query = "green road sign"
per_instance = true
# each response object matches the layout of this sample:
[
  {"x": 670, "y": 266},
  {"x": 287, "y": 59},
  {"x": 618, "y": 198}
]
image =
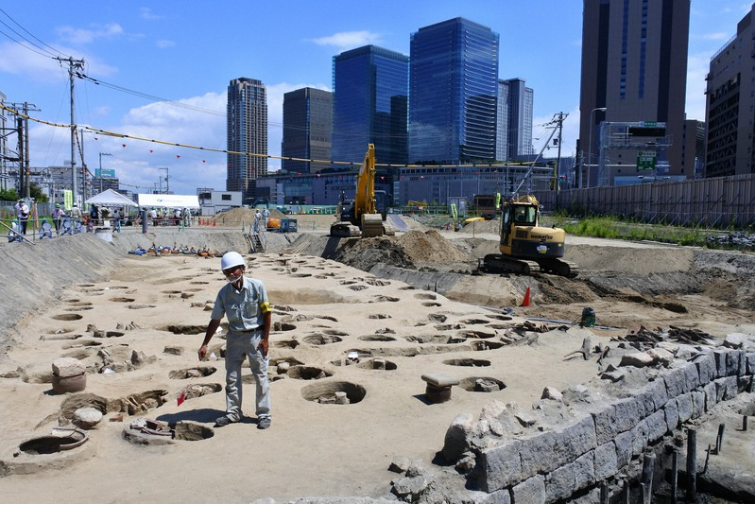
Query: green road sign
[{"x": 646, "y": 160}]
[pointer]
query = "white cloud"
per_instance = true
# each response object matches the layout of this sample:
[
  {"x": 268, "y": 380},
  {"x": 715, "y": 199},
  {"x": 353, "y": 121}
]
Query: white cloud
[
  {"x": 86, "y": 36},
  {"x": 348, "y": 40},
  {"x": 146, "y": 13},
  {"x": 164, "y": 44}
]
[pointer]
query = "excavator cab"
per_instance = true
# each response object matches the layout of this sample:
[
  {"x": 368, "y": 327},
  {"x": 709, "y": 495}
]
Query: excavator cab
[{"x": 525, "y": 246}]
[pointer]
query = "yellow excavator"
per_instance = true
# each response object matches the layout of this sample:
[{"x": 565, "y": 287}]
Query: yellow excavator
[
  {"x": 361, "y": 217},
  {"x": 526, "y": 247}
]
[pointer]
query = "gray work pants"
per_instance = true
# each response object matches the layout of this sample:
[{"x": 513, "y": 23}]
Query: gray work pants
[{"x": 239, "y": 345}]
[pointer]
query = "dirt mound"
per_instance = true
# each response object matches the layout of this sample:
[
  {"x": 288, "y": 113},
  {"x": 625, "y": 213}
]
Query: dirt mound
[
  {"x": 492, "y": 226},
  {"x": 430, "y": 247}
]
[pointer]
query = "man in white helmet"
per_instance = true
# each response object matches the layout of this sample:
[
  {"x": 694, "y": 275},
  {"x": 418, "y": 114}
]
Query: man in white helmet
[{"x": 244, "y": 300}]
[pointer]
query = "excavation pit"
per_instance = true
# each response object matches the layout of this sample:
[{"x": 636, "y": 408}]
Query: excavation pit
[
  {"x": 192, "y": 373},
  {"x": 475, "y": 334},
  {"x": 279, "y": 326},
  {"x": 482, "y": 384},
  {"x": 319, "y": 339},
  {"x": 467, "y": 362},
  {"x": 482, "y": 345},
  {"x": 68, "y": 317},
  {"x": 184, "y": 329},
  {"x": 334, "y": 393},
  {"x": 122, "y": 299},
  {"x": 79, "y": 309},
  {"x": 197, "y": 390},
  {"x": 377, "y": 364},
  {"x": 287, "y": 344},
  {"x": 377, "y": 338},
  {"x": 308, "y": 373},
  {"x": 64, "y": 441},
  {"x": 192, "y": 432}
]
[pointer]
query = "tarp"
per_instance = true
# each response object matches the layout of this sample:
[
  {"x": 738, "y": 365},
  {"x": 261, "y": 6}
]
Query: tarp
[
  {"x": 110, "y": 197},
  {"x": 172, "y": 201}
]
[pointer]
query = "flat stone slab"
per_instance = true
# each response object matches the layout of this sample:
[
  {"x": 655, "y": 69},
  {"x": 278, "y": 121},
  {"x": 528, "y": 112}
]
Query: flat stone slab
[{"x": 440, "y": 380}]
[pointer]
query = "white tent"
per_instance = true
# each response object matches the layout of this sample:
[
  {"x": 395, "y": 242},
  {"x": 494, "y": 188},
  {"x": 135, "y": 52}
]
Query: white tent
[{"x": 112, "y": 198}]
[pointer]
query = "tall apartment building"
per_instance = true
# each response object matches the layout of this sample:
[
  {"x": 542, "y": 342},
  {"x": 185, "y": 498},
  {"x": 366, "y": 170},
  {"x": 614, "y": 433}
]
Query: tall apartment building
[
  {"x": 369, "y": 106},
  {"x": 634, "y": 65},
  {"x": 730, "y": 104},
  {"x": 307, "y": 130},
  {"x": 514, "y": 120},
  {"x": 453, "y": 92},
  {"x": 247, "y": 135}
]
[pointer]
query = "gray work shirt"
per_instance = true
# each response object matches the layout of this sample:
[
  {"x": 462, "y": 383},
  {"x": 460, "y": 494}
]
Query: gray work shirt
[{"x": 244, "y": 308}]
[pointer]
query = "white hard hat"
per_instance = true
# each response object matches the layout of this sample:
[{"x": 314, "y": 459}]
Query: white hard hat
[{"x": 230, "y": 260}]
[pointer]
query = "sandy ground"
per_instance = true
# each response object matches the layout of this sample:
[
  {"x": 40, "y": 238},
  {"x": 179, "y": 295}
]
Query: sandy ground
[{"x": 323, "y": 311}]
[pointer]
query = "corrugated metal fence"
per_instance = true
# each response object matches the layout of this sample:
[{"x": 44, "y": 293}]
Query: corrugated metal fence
[{"x": 716, "y": 202}]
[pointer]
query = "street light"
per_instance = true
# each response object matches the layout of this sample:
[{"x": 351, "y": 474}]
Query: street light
[
  {"x": 589, "y": 147},
  {"x": 101, "y": 155}
]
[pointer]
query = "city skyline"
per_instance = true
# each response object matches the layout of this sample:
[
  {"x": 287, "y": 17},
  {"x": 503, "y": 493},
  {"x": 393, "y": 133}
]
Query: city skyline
[{"x": 177, "y": 52}]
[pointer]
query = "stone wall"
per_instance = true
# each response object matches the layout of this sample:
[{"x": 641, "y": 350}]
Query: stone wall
[{"x": 596, "y": 433}]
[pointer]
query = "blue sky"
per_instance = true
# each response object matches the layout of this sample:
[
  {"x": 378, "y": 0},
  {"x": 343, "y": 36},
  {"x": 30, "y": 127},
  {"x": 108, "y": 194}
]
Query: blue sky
[{"x": 186, "y": 52}]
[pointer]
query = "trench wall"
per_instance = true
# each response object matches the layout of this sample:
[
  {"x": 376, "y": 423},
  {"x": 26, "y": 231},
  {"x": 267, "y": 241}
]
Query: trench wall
[{"x": 604, "y": 440}]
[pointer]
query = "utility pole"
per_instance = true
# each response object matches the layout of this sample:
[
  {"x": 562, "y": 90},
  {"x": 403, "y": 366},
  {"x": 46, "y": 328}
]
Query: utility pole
[
  {"x": 167, "y": 183},
  {"x": 72, "y": 66},
  {"x": 560, "y": 120}
]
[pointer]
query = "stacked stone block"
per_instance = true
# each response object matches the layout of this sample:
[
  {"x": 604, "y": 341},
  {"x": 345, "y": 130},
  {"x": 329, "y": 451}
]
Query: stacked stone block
[{"x": 598, "y": 440}]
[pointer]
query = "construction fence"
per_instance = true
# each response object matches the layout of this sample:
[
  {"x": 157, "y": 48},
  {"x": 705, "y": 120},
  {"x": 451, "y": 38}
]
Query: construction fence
[{"x": 721, "y": 202}]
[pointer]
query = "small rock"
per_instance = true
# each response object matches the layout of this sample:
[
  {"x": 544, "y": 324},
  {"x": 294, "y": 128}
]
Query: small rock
[
  {"x": 661, "y": 356},
  {"x": 68, "y": 367},
  {"x": 87, "y": 417},
  {"x": 638, "y": 359},
  {"x": 551, "y": 393},
  {"x": 399, "y": 464},
  {"x": 118, "y": 418},
  {"x": 735, "y": 340},
  {"x": 613, "y": 374}
]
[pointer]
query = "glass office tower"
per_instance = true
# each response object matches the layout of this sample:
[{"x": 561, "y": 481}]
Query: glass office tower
[
  {"x": 307, "y": 130},
  {"x": 453, "y": 87},
  {"x": 247, "y": 133},
  {"x": 369, "y": 105}
]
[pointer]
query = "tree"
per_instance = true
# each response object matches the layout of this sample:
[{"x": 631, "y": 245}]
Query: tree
[
  {"x": 36, "y": 193},
  {"x": 8, "y": 195}
]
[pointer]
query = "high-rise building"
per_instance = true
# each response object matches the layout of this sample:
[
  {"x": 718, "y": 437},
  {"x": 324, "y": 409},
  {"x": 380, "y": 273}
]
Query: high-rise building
[
  {"x": 369, "y": 106},
  {"x": 453, "y": 92},
  {"x": 247, "y": 135},
  {"x": 730, "y": 103},
  {"x": 307, "y": 130},
  {"x": 514, "y": 120},
  {"x": 634, "y": 71}
]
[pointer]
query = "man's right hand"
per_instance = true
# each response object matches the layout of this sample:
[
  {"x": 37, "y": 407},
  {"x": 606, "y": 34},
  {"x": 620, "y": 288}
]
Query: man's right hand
[{"x": 202, "y": 352}]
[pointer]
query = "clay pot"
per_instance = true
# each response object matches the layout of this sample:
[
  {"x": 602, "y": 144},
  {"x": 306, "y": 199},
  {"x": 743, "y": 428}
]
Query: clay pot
[{"x": 72, "y": 384}]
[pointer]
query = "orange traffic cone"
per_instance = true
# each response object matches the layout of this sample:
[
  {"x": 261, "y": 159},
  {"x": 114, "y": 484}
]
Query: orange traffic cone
[{"x": 526, "y": 301}]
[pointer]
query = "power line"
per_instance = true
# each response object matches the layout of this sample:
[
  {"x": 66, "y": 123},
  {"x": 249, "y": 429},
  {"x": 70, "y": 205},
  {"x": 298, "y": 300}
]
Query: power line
[{"x": 48, "y": 53}]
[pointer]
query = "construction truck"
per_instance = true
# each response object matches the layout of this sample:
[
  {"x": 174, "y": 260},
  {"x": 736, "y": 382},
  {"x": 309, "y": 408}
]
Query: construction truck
[
  {"x": 362, "y": 216},
  {"x": 525, "y": 246}
]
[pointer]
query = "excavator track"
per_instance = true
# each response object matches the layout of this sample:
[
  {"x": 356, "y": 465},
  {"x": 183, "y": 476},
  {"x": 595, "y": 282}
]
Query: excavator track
[{"x": 499, "y": 264}]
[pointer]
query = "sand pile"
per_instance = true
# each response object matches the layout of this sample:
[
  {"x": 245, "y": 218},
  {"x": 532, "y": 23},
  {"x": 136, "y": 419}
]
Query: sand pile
[
  {"x": 407, "y": 251},
  {"x": 240, "y": 215}
]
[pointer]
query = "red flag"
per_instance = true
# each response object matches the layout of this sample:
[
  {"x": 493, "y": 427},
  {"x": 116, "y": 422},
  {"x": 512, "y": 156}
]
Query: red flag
[
  {"x": 178, "y": 155},
  {"x": 124, "y": 145},
  {"x": 181, "y": 397}
]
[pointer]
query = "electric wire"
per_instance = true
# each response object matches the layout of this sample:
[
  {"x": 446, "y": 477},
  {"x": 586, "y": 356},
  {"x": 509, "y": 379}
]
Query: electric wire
[{"x": 250, "y": 154}]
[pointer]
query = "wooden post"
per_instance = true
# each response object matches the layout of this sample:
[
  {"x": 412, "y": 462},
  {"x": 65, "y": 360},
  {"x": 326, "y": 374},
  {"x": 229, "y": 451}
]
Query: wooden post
[
  {"x": 744, "y": 423},
  {"x": 720, "y": 437},
  {"x": 604, "y": 495},
  {"x": 648, "y": 467},
  {"x": 674, "y": 475},
  {"x": 692, "y": 466}
]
